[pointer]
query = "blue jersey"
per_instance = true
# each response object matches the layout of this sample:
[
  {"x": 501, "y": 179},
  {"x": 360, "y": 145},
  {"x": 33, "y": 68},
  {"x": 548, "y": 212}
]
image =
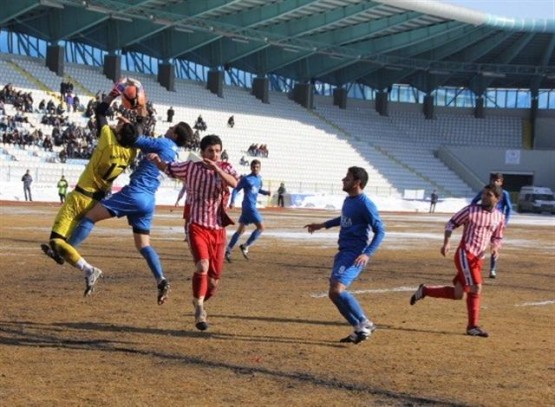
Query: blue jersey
[
  {"x": 147, "y": 176},
  {"x": 137, "y": 199},
  {"x": 252, "y": 186},
  {"x": 504, "y": 204},
  {"x": 358, "y": 217}
]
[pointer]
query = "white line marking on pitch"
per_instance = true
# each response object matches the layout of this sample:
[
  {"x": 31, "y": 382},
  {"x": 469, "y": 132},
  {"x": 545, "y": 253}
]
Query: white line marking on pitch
[
  {"x": 374, "y": 291},
  {"x": 535, "y": 304}
]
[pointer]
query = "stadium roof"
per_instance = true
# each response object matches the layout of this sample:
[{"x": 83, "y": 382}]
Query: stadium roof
[{"x": 378, "y": 43}]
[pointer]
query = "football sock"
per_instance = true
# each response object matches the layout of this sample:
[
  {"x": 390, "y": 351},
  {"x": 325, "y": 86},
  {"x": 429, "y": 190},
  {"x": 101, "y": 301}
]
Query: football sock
[
  {"x": 253, "y": 237},
  {"x": 492, "y": 262},
  {"x": 233, "y": 241},
  {"x": 153, "y": 261},
  {"x": 68, "y": 252},
  {"x": 440, "y": 292},
  {"x": 353, "y": 307},
  {"x": 473, "y": 307},
  {"x": 82, "y": 265},
  {"x": 211, "y": 291},
  {"x": 81, "y": 232},
  {"x": 200, "y": 285}
]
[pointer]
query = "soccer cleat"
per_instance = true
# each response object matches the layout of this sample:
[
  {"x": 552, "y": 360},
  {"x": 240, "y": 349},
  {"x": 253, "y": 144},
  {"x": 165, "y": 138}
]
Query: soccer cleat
[
  {"x": 163, "y": 291},
  {"x": 476, "y": 331},
  {"x": 361, "y": 333},
  {"x": 245, "y": 251},
  {"x": 200, "y": 318},
  {"x": 52, "y": 254},
  {"x": 418, "y": 294},
  {"x": 90, "y": 280},
  {"x": 228, "y": 256},
  {"x": 492, "y": 273}
]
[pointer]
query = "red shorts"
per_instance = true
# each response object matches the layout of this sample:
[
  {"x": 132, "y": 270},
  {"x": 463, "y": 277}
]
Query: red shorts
[
  {"x": 208, "y": 244},
  {"x": 469, "y": 268}
]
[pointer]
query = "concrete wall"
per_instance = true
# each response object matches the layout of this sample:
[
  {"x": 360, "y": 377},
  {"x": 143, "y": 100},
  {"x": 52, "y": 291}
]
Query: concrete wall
[
  {"x": 544, "y": 138},
  {"x": 477, "y": 164}
]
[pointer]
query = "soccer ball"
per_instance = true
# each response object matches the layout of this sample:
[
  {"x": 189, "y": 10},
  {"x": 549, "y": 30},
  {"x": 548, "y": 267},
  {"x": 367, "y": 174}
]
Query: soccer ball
[{"x": 133, "y": 95}]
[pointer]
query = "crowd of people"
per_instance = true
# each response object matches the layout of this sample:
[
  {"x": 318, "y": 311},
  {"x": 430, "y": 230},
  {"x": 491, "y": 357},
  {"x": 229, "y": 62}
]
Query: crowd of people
[{"x": 256, "y": 150}]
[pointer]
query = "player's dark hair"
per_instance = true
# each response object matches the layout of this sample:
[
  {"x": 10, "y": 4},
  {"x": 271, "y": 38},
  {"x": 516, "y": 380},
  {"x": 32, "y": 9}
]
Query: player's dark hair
[
  {"x": 359, "y": 174},
  {"x": 127, "y": 135},
  {"x": 497, "y": 176},
  {"x": 253, "y": 162},
  {"x": 496, "y": 189},
  {"x": 184, "y": 134},
  {"x": 210, "y": 140}
]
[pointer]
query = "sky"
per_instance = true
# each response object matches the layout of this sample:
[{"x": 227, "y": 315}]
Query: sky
[{"x": 511, "y": 8}]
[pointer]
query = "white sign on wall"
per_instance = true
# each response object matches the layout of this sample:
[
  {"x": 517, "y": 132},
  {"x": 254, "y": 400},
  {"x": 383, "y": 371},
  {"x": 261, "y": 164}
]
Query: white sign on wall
[{"x": 512, "y": 157}]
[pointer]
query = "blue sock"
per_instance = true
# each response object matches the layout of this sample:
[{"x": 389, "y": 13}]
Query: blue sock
[
  {"x": 153, "y": 261},
  {"x": 233, "y": 241},
  {"x": 353, "y": 307},
  {"x": 492, "y": 262},
  {"x": 81, "y": 232},
  {"x": 253, "y": 237}
]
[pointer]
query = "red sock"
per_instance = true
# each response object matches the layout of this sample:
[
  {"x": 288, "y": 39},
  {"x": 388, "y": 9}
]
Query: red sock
[
  {"x": 200, "y": 285},
  {"x": 440, "y": 292},
  {"x": 210, "y": 292},
  {"x": 473, "y": 307}
]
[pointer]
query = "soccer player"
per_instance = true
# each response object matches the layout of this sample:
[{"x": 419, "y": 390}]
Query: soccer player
[
  {"x": 112, "y": 155},
  {"x": 136, "y": 201},
  {"x": 252, "y": 186},
  {"x": 359, "y": 215},
  {"x": 504, "y": 205},
  {"x": 482, "y": 225},
  {"x": 208, "y": 183}
]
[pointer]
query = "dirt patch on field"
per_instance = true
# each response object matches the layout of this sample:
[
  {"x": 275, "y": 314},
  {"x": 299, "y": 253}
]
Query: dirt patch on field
[{"x": 273, "y": 337}]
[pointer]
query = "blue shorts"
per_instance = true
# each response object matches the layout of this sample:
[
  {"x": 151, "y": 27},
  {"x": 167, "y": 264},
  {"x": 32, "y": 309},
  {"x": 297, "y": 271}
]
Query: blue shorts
[
  {"x": 250, "y": 216},
  {"x": 138, "y": 206},
  {"x": 344, "y": 270}
]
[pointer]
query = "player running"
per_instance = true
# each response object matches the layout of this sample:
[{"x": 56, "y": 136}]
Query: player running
[
  {"x": 482, "y": 225},
  {"x": 252, "y": 186}
]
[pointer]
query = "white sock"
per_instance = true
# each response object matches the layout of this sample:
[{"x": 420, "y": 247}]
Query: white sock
[{"x": 83, "y": 265}]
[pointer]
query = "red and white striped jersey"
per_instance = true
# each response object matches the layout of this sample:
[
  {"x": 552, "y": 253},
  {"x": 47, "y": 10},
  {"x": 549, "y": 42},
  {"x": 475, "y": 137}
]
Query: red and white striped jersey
[
  {"x": 207, "y": 192},
  {"x": 481, "y": 227}
]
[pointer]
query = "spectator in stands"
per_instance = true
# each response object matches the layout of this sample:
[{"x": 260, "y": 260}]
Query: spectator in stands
[
  {"x": 244, "y": 162},
  {"x": 42, "y": 106},
  {"x": 27, "y": 181},
  {"x": 253, "y": 149},
  {"x": 170, "y": 113},
  {"x": 225, "y": 156},
  {"x": 433, "y": 201},
  {"x": 50, "y": 107},
  {"x": 281, "y": 193},
  {"x": 231, "y": 121},
  {"x": 47, "y": 144},
  {"x": 69, "y": 102},
  {"x": 76, "y": 103},
  {"x": 62, "y": 189},
  {"x": 200, "y": 124},
  {"x": 263, "y": 151}
]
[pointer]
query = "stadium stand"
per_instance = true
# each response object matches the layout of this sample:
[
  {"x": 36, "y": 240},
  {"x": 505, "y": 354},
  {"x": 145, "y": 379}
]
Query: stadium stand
[{"x": 309, "y": 151}]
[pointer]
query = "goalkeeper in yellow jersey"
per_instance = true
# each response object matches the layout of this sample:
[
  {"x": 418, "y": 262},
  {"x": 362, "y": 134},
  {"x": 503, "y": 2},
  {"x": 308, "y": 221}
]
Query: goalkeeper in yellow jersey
[{"x": 112, "y": 155}]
